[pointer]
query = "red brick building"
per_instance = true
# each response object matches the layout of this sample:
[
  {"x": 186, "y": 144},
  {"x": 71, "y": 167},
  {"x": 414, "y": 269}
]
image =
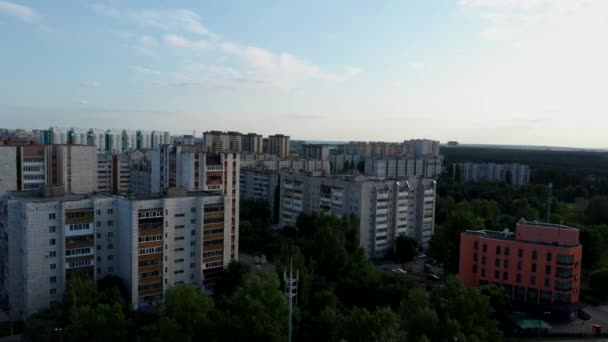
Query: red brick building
[{"x": 538, "y": 264}]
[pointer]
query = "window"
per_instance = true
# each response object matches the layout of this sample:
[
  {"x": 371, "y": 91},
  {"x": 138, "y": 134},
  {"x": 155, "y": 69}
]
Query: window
[
  {"x": 98, "y": 247},
  {"x": 98, "y": 223},
  {"x": 192, "y": 243},
  {"x": 476, "y": 245},
  {"x": 549, "y": 256},
  {"x": 474, "y": 268},
  {"x": 497, "y": 250},
  {"x": 483, "y": 260},
  {"x": 98, "y": 211},
  {"x": 178, "y": 238},
  {"x": 192, "y": 265},
  {"x": 519, "y": 265},
  {"x": 532, "y": 280},
  {"x": 497, "y": 262},
  {"x": 193, "y": 232},
  {"x": 533, "y": 268},
  {"x": 110, "y": 234},
  {"x": 52, "y": 229},
  {"x": 484, "y": 248},
  {"x": 52, "y": 291},
  {"x": 534, "y": 255},
  {"x": 179, "y": 215},
  {"x": 496, "y": 275},
  {"x": 547, "y": 282},
  {"x": 110, "y": 246},
  {"x": 505, "y": 276},
  {"x": 52, "y": 242},
  {"x": 110, "y": 223},
  {"x": 507, "y": 251},
  {"x": 475, "y": 257},
  {"x": 53, "y": 279},
  {"x": 110, "y": 269},
  {"x": 110, "y": 257},
  {"x": 51, "y": 216},
  {"x": 178, "y": 249},
  {"x": 483, "y": 272},
  {"x": 518, "y": 278},
  {"x": 193, "y": 221},
  {"x": 52, "y": 254},
  {"x": 99, "y": 235},
  {"x": 192, "y": 210},
  {"x": 53, "y": 266},
  {"x": 179, "y": 261},
  {"x": 192, "y": 254},
  {"x": 547, "y": 269},
  {"x": 505, "y": 263},
  {"x": 98, "y": 259},
  {"x": 178, "y": 272},
  {"x": 110, "y": 211},
  {"x": 520, "y": 253}
]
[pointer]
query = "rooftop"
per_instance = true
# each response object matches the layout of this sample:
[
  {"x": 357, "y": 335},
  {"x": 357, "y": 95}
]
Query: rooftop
[{"x": 39, "y": 197}]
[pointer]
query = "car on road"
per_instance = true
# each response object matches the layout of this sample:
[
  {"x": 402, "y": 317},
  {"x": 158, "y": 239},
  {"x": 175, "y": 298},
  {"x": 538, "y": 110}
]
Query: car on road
[{"x": 399, "y": 270}]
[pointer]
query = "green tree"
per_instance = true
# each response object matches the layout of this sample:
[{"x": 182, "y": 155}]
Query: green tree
[
  {"x": 597, "y": 210},
  {"x": 191, "y": 310},
  {"x": 381, "y": 325},
  {"x": 598, "y": 281},
  {"x": 102, "y": 323},
  {"x": 233, "y": 277},
  {"x": 500, "y": 302},
  {"x": 406, "y": 248},
  {"x": 257, "y": 311}
]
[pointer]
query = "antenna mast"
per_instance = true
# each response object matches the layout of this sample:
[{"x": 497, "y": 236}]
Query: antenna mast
[{"x": 291, "y": 291}]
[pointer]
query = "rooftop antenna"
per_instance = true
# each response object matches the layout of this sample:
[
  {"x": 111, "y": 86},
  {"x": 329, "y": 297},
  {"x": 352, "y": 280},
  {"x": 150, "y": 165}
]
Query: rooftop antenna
[
  {"x": 291, "y": 291},
  {"x": 549, "y": 202}
]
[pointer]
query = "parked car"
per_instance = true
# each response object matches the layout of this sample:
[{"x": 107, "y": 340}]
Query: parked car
[{"x": 399, "y": 270}]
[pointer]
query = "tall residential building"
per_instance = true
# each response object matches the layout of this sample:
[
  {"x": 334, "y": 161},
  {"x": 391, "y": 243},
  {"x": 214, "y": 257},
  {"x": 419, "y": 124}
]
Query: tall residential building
[
  {"x": 144, "y": 140},
  {"x": 160, "y": 138},
  {"x": 129, "y": 140},
  {"x": 252, "y": 143},
  {"x": 538, "y": 264},
  {"x": 278, "y": 145},
  {"x": 386, "y": 209},
  {"x": 114, "y": 172},
  {"x": 217, "y": 141},
  {"x": 78, "y": 136},
  {"x": 516, "y": 174},
  {"x": 54, "y": 135},
  {"x": 114, "y": 141},
  {"x": 8, "y": 168},
  {"x": 72, "y": 166},
  {"x": 315, "y": 151},
  {"x": 395, "y": 168},
  {"x": 298, "y": 165},
  {"x": 421, "y": 147},
  {"x": 97, "y": 137},
  {"x": 151, "y": 242}
]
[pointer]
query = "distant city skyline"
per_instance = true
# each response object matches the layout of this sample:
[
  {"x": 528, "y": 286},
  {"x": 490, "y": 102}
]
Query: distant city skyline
[{"x": 517, "y": 72}]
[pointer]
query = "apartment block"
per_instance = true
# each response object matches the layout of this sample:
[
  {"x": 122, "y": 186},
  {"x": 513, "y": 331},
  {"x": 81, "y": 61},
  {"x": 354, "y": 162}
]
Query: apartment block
[
  {"x": 395, "y": 168},
  {"x": 72, "y": 166},
  {"x": 152, "y": 242},
  {"x": 341, "y": 162},
  {"x": 97, "y": 137},
  {"x": 217, "y": 141},
  {"x": 8, "y": 168},
  {"x": 300, "y": 165},
  {"x": 315, "y": 151},
  {"x": 515, "y": 174},
  {"x": 386, "y": 209},
  {"x": 539, "y": 263},
  {"x": 278, "y": 145},
  {"x": 252, "y": 143}
]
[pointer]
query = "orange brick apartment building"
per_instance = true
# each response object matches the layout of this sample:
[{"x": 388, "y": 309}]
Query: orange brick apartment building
[{"x": 538, "y": 264}]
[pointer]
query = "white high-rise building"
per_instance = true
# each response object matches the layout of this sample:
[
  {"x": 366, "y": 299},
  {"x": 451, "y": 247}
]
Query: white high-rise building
[
  {"x": 151, "y": 242},
  {"x": 129, "y": 140},
  {"x": 114, "y": 141},
  {"x": 144, "y": 140},
  {"x": 97, "y": 137}
]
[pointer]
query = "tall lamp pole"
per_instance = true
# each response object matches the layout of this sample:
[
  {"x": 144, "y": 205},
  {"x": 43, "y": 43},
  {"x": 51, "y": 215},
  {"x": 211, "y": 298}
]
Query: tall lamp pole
[{"x": 291, "y": 292}]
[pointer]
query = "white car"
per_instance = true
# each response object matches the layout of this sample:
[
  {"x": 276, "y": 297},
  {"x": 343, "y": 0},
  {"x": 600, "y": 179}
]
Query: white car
[{"x": 399, "y": 270}]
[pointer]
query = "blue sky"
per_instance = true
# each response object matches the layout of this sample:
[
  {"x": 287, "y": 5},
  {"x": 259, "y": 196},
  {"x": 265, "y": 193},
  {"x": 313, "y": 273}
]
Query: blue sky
[{"x": 477, "y": 71}]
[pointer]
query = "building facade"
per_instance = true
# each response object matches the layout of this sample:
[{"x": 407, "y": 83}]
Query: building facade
[
  {"x": 252, "y": 143},
  {"x": 515, "y": 174},
  {"x": 315, "y": 151},
  {"x": 396, "y": 168},
  {"x": 278, "y": 145},
  {"x": 151, "y": 242},
  {"x": 538, "y": 264}
]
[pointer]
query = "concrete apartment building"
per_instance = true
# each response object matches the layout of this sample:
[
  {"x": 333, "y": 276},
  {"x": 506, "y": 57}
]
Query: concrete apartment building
[
  {"x": 315, "y": 151},
  {"x": 490, "y": 172},
  {"x": 31, "y": 167},
  {"x": 386, "y": 209},
  {"x": 114, "y": 172},
  {"x": 152, "y": 242},
  {"x": 539, "y": 263},
  {"x": 278, "y": 145},
  {"x": 380, "y": 150},
  {"x": 300, "y": 165},
  {"x": 217, "y": 141},
  {"x": 396, "y": 168},
  {"x": 252, "y": 143}
]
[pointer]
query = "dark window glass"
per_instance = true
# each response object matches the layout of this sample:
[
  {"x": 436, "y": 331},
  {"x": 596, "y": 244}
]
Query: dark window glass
[
  {"x": 533, "y": 268},
  {"x": 497, "y": 250}
]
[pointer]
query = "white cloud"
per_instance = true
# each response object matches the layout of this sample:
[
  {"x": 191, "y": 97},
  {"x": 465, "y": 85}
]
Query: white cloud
[
  {"x": 416, "y": 65},
  {"x": 145, "y": 70},
  {"x": 89, "y": 84},
  {"x": 146, "y": 45},
  {"x": 180, "y": 42},
  {"x": 18, "y": 11}
]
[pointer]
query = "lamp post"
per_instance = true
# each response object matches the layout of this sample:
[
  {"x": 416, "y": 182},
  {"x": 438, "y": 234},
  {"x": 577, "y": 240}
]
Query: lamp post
[{"x": 60, "y": 331}]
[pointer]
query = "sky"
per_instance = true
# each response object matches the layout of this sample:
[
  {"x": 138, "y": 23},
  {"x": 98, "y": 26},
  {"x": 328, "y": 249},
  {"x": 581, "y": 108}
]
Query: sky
[{"x": 525, "y": 72}]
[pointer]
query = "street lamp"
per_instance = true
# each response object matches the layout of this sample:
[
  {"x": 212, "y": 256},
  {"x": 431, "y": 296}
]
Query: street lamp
[{"x": 60, "y": 331}]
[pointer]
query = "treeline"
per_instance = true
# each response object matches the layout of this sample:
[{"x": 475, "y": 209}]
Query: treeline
[{"x": 563, "y": 168}]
